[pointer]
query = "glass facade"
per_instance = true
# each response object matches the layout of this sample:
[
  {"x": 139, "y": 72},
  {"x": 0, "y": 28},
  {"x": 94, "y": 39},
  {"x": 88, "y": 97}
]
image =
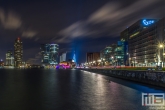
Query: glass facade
[
  {"x": 114, "y": 54},
  {"x": 108, "y": 54},
  {"x": 49, "y": 53},
  {"x": 9, "y": 58},
  {"x": 119, "y": 53},
  {"x": 144, "y": 38}
]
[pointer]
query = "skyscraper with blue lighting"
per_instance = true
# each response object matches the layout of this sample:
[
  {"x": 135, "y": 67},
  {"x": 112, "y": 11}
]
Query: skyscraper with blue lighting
[{"x": 49, "y": 54}]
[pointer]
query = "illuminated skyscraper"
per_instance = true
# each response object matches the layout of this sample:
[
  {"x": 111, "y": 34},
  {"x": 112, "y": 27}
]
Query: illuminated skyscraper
[
  {"x": 18, "y": 52},
  {"x": 9, "y": 58},
  {"x": 49, "y": 53}
]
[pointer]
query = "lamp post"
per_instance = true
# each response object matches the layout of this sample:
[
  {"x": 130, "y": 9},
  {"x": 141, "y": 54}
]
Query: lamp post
[
  {"x": 128, "y": 59},
  {"x": 94, "y": 63},
  {"x": 162, "y": 46},
  {"x": 112, "y": 60},
  {"x": 134, "y": 61},
  {"x": 103, "y": 62}
]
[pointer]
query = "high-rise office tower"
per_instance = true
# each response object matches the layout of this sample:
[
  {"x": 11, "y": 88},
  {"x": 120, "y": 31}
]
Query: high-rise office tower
[
  {"x": 49, "y": 53},
  {"x": 9, "y": 58},
  {"x": 18, "y": 52}
]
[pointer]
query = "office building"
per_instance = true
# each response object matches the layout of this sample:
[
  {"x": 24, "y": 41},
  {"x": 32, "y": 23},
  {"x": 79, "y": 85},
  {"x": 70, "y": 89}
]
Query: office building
[
  {"x": 92, "y": 58},
  {"x": 1, "y": 63},
  {"x": 107, "y": 54},
  {"x": 9, "y": 58},
  {"x": 63, "y": 57},
  {"x": 49, "y": 54},
  {"x": 68, "y": 56},
  {"x": 18, "y": 52},
  {"x": 120, "y": 53},
  {"x": 145, "y": 42},
  {"x": 114, "y": 54}
]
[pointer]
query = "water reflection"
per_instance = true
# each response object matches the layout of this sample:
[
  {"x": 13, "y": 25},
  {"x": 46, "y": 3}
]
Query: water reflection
[{"x": 51, "y": 89}]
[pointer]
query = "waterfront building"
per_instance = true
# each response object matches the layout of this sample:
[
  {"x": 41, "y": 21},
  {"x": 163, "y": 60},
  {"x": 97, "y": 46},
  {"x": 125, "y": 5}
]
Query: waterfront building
[
  {"x": 68, "y": 56},
  {"x": 145, "y": 42},
  {"x": 18, "y": 52},
  {"x": 114, "y": 54},
  {"x": 120, "y": 53},
  {"x": 49, "y": 54},
  {"x": 1, "y": 63},
  {"x": 92, "y": 58},
  {"x": 107, "y": 54},
  {"x": 67, "y": 64},
  {"x": 63, "y": 57},
  {"x": 9, "y": 58}
]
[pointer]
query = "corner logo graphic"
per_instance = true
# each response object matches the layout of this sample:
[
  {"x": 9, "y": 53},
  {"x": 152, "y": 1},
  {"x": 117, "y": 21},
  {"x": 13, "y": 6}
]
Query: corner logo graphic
[{"x": 152, "y": 99}]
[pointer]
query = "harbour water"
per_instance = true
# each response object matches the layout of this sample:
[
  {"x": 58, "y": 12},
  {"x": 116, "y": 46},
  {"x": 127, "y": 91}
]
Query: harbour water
[{"x": 50, "y": 89}]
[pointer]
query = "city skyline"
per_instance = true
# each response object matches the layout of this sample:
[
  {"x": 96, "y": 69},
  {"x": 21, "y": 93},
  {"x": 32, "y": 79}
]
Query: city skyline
[
  {"x": 70, "y": 24},
  {"x": 82, "y": 54}
]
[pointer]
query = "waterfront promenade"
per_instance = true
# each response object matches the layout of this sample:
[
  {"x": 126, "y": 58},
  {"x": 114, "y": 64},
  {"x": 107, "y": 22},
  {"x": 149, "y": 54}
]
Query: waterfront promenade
[{"x": 152, "y": 77}]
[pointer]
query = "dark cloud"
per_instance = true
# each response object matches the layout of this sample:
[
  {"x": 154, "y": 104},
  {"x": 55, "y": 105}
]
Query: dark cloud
[
  {"x": 9, "y": 20},
  {"x": 111, "y": 19},
  {"x": 83, "y": 26}
]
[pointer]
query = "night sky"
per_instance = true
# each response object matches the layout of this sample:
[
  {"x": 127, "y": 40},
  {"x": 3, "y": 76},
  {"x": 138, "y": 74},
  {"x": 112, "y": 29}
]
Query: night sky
[{"x": 80, "y": 25}]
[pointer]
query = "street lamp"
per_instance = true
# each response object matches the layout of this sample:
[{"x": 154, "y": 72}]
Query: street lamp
[
  {"x": 134, "y": 61},
  {"x": 99, "y": 60},
  {"x": 128, "y": 58},
  {"x": 112, "y": 60},
  {"x": 162, "y": 46}
]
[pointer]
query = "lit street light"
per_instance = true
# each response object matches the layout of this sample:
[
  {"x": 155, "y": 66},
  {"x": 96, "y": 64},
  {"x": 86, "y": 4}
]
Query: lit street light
[
  {"x": 112, "y": 60},
  {"x": 134, "y": 61},
  {"x": 128, "y": 59},
  {"x": 162, "y": 46}
]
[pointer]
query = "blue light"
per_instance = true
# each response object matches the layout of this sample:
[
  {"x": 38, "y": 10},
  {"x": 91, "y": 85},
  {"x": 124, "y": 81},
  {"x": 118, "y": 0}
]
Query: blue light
[
  {"x": 145, "y": 22},
  {"x": 74, "y": 57}
]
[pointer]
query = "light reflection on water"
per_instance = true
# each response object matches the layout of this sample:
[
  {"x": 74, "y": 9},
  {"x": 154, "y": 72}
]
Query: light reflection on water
[{"x": 68, "y": 90}]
